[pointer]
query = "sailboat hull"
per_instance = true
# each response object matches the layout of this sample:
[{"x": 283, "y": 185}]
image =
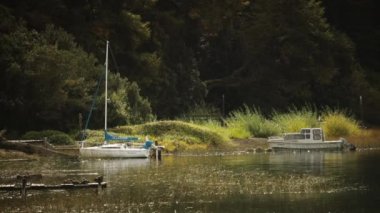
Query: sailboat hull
[{"x": 100, "y": 152}]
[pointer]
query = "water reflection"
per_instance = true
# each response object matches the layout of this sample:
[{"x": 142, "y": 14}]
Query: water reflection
[
  {"x": 285, "y": 182},
  {"x": 306, "y": 162},
  {"x": 114, "y": 166}
]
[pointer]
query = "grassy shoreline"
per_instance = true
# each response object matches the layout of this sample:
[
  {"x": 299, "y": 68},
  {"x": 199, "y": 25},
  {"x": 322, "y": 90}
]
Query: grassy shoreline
[{"x": 244, "y": 129}]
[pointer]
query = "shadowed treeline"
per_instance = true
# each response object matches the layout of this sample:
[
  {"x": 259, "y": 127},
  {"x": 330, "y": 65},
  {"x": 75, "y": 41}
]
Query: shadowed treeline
[{"x": 168, "y": 57}]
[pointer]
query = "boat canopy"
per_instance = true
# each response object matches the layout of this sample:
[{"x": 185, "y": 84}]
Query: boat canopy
[{"x": 109, "y": 137}]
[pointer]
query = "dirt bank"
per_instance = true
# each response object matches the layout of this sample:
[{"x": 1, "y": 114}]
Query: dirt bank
[
  {"x": 31, "y": 149},
  {"x": 250, "y": 144}
]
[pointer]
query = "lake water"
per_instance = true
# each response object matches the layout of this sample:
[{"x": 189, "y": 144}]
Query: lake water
[{"x": 261, "y": 182}]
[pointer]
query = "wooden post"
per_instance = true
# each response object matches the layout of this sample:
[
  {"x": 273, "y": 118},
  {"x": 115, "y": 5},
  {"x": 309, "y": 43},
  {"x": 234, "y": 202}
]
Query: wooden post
[
  {"x": 99, "y": 180},
  {"x": 45, "y": 142},
  {"x": 159, "y": 153},
  {"x": 23, "y": 187},
  {"x": 156, "y": 153}
]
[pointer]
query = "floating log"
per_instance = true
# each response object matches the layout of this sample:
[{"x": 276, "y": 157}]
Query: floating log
[{"x": 36, "y": 186}]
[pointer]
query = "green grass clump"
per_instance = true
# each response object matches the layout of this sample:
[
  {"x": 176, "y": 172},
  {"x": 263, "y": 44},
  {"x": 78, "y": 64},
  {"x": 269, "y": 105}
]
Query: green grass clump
[
  {"x": 176, "y": 135},
  {"x": 337, "y": 123},
  {"x": 246, "y": 123},
  {"x": 295, "y": 119},
  {"x": 216, "y": 126},
  {"x": 94, "y": 137}
]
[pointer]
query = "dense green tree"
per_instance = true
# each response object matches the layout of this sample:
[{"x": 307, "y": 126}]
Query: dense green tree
[
  {"x": 125, "y": 105},
  {"x": 359, "y": 20},
  {"x": 45, "y": 78},
  {"x": 49, "y": 80},
  {"x": 272, "y": 53},
  {"x": 283, "y": 53}
]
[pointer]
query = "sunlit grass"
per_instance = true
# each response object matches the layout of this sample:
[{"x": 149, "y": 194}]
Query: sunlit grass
[
  {"x": 337, "y": 123},
  {"x": 295, "y": 119},
  {"x": 216, "y": 126},
  {"x": 246, "y": 122},
  {"x": 177, "y": 135},
  {"x": 243, "y": 124}
]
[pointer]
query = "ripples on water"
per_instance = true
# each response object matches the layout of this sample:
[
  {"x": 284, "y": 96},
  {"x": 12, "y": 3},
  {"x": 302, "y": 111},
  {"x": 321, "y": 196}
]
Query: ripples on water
[{"x": 261, "y": 182}]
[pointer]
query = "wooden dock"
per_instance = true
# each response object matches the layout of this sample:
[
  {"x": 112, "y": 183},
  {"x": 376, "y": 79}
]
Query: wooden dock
[{"x": 36, "y": 186}]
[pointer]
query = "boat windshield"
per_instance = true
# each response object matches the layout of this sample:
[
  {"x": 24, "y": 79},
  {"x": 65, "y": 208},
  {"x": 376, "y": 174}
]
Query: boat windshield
[
  {"x": 294, "y": 136},
  {"x": 317, "y": 134}
]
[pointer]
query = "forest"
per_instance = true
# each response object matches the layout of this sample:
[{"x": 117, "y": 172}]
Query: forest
[{"x": 172, "y": 58}]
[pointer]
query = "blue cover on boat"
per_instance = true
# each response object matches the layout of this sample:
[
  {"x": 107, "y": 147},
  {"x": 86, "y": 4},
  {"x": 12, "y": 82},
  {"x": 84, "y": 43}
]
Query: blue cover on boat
[
  {"x": 148, "y": 144},
  {"x": 109, "y": 137}
]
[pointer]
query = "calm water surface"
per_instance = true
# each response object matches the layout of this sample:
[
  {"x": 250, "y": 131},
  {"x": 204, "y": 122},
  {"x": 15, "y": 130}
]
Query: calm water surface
[{"x": 265, "y": 182}]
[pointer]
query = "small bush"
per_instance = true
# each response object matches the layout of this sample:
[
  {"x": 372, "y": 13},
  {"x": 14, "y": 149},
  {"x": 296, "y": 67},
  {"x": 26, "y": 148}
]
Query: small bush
[
  {"x": 337, "y": 123},
  {"x": 295, "y": 119},
  {"x": 55, "y": 137},
  {"x": 61, "y": 139},
  {"x": 245, "y": 123},
  {"x": 39, "y": 135}
]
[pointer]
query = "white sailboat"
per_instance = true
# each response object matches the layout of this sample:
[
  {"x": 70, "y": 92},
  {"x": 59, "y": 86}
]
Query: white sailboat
[{"x": 114, "y": 150}]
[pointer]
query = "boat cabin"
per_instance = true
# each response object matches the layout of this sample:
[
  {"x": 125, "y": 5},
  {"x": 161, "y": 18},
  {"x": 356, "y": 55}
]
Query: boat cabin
[{"x": 306, "y": 135}]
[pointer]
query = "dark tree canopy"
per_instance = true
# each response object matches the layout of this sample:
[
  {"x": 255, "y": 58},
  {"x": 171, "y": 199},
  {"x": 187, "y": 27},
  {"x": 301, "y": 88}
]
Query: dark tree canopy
[{"x": 171, "y": 56}]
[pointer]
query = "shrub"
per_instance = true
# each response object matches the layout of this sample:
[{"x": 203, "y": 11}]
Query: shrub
[
  {"x": 39, "y": 135},
  {"x": 295, "y": 119},
  {"x": 337, "y": 123},
  {"x": 55, "y": 137},
  {"x": 245, "y": 123},
  {"x": 61, "y": 139}
]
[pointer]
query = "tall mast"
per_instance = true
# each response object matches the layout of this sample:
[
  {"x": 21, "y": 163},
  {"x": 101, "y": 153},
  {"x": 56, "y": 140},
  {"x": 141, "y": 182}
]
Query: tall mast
[{"x": 105, "y": 94}]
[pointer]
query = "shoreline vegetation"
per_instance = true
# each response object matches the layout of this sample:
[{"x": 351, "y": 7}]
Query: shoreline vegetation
[{"x": 244, "y": 130}]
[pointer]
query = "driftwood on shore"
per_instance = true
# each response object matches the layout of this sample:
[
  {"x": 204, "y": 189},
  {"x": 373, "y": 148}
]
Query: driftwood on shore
[
  {"x": 29, "y": 148},
  {"x": 23, "y": 184}
]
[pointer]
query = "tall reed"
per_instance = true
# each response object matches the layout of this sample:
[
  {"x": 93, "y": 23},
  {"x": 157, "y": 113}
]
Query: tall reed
[
  {"x": 246, "y": 122},
  {"x": 338, "y": 123},
  {"x": 295, "y": 119}
]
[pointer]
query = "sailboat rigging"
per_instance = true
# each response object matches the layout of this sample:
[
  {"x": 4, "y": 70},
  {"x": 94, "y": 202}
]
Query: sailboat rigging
[{"x": 114, "y": 150}]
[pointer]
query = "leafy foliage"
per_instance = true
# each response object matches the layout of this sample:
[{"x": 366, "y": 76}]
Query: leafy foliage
[
  {"x": 54, "y": 137},
  {"x": 182, "y": 54},
  {"x": 60, "y": 79}
]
